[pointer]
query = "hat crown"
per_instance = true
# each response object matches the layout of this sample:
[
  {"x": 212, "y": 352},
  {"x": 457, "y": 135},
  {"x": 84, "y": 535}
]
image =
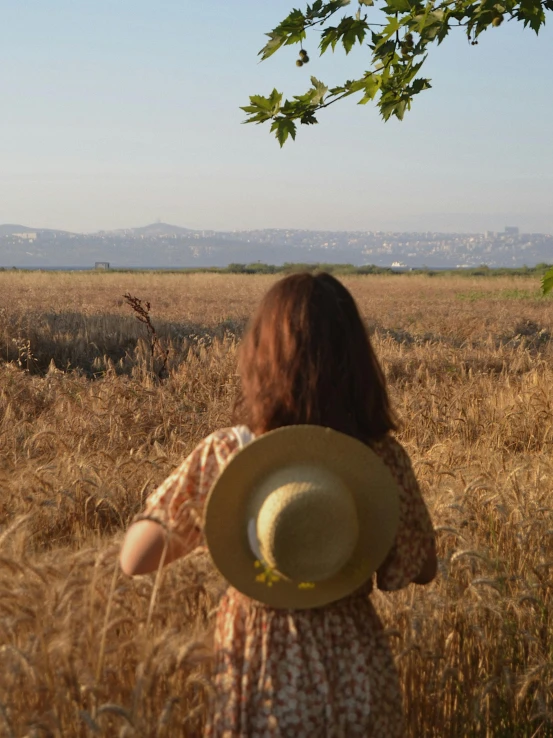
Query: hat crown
[{"x": 307, "y": 522}]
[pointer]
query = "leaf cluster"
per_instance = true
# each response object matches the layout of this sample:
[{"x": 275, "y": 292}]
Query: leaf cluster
[
  {"x": 398, "y": 35},
  {"x": 547, "y": 282}
]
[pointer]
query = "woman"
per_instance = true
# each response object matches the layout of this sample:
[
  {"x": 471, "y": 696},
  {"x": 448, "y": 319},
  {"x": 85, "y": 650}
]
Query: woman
[{"x": 326, "y": 671}]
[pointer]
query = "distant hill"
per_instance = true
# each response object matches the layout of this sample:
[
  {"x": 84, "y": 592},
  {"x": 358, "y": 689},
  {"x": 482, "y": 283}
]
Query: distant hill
[
  {"x": 161, "y": 245},
  {"x": 9, "y": 230},
  {"x": 155, "y": 229}
]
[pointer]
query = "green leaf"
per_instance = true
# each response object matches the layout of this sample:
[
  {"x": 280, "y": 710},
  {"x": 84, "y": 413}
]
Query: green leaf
[
  {"x": 308, "y": 119},
  {"x": 371, "y": 85},
  {"x": 400, "y": 109},
  {"x": 320, "y": 90},
  {"x": 265, "y": 103},
  {"x": 391, "y": 27},
  {"x": 532, "y": 14},
  {"x": 397, "y": 6},
  {"x": 385, "y": 48},
  {"x": 284, "y": 127},
  {"x": 394, "y": 107},
  {"x": 430, "y": 24},
  {"x": 547, "y": 282},
  {"x": 290, "y": 31},
  {"x": 275, "y": 99},
  {"x": 263, "y": 108},
  {"x": 350, "y": 30},
  {"x": 348, "y": 40},
  {"x": 419, "y": 85},
  {"x": 274, "y": 44},
  {"x": 314, "y": 10},
  {"x": 329, "y": 37}
]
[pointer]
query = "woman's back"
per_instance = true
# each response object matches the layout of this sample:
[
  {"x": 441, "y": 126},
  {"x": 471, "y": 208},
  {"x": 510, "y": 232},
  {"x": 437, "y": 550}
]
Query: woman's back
[{"x": 319, "y": 672}]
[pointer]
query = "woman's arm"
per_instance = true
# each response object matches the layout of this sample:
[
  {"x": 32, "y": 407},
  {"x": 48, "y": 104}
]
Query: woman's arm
[
  {"x": 143, "y": 547},
  {"x": 426, "y": 574},
  {"x": 412, "y": 558},
  {"x": 170, "y": 526},
  {"x": 429, "y": 568}
]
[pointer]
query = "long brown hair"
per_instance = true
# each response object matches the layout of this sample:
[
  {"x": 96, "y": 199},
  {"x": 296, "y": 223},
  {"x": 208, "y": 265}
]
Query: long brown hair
[{"x": 307, "y": 358}]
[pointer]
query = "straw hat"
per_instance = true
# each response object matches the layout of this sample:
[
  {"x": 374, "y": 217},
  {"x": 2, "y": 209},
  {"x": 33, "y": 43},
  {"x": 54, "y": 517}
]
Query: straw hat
[{"x": 301, "y": 516}]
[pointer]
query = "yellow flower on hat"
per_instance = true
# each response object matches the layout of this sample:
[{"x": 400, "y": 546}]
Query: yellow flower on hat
[{"x": 268, "y": 576}]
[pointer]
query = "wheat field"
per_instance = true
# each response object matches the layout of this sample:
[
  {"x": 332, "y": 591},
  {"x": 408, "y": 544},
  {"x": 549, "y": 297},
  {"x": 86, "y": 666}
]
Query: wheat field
[{"x": 88, "y": 428}]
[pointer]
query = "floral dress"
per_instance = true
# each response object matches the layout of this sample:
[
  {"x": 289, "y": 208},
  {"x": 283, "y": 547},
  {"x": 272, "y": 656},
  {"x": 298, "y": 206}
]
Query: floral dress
[{"x": 326, "y": 672}]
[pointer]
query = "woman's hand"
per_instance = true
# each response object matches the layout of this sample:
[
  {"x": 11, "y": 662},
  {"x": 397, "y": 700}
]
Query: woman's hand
[{"x": 144, "y": 546}]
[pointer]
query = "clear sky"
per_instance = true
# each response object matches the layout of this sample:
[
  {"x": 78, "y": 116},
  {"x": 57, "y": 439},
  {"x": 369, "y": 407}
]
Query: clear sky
[{"x": 115, "y": 113}]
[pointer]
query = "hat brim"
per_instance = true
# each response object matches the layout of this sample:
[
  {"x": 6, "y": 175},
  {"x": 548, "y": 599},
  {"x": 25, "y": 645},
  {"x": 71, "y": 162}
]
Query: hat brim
[{"x": 369, "y": 479}]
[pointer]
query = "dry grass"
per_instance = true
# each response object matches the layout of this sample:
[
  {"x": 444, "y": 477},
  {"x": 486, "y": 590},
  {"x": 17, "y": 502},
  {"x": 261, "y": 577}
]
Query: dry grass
[{"x": 86, "y": 652}]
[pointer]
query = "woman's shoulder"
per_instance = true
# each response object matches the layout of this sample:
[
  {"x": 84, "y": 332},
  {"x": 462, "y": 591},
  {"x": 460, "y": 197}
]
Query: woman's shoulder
[
  {"x": 394, "y": 455},
  {"x": 220, "y": 445},
  {"x": 197, "y": 472},
  {"x": 234, "y": 437}
]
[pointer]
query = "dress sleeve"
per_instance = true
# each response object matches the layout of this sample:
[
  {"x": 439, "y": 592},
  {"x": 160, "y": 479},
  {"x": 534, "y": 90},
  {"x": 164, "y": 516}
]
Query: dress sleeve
[
  {"x": 178, "y": 502},
  {"x": 415, "y": 534}
]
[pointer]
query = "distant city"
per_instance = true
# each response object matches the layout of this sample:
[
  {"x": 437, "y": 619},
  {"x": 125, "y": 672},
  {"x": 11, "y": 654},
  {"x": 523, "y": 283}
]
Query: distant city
[{"x": 161, "y": 245}]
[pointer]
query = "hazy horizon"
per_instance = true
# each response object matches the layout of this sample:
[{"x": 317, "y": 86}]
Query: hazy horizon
[
  {"x": 117, "y": 115},
  {"x": 511, "y": 222}
]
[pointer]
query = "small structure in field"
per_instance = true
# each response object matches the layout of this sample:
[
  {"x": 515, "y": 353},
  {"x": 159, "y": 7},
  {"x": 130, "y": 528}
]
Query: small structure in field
[{"x": 101, "y": 265}]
